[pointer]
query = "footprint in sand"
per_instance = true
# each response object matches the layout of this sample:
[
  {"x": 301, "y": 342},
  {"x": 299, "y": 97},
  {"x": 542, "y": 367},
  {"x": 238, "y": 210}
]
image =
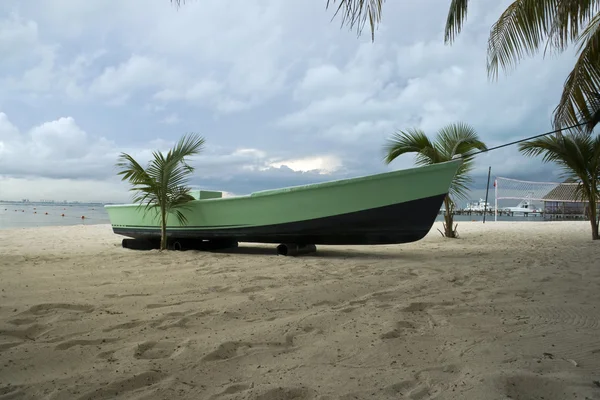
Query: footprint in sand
[
  {"x": 262, "y": 278},
  {"x": 251, "y": 289},
  {"x": 324, "y": 303},
  {"x": 30, "y": 333},
  {"x": 120, "y": 387},
  {"x": 407, "y": 389},
  {"x": 527, "y": 386},
  {"x": 22, "y": 321},
  {"x": 178, "y": 303},
  {"x": 46, "y": 308},
  {"x": 233, "y": 389},
  {"x": 399, "y": 330},
  {"x": 287, "y": 393},
  {"x": 401, "y": 388},
  {"x": 229, "y": 350},
  {"x": 6, "y": 346},
  {"x": 11, "y": 392},
  {"x": 152, "y": 350},
  {"x": 81, "y": 342},
  {"x": 168, "y": 322},
  {"x": 107, "y": 355},
  {"x": 120, "y": 296},
  {"x": 417, "y": 307},
  {"x": 126, "y": 325},
  {"x": 179, "y": 319}
]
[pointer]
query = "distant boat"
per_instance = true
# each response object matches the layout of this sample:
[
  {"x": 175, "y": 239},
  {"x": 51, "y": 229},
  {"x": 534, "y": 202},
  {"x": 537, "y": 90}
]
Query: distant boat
[
  {"x": 387, "y": 208},
  {"x": 524, "y": 207},
  {"x": 479, "y": 206}
]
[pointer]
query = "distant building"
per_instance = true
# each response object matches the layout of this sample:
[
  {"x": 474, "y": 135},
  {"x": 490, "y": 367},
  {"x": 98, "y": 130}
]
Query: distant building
[{"x": 565, "y": 202}]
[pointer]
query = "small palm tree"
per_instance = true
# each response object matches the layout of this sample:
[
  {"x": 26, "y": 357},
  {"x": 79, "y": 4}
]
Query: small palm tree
[
  {"x": 162, "y": 185},
  {"x": 579, "y": 156},
  {"x": 452, "y": 140}
]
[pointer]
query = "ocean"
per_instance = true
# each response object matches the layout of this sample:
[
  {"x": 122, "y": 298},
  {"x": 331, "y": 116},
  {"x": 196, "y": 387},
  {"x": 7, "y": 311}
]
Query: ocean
[{"x": 31, "y": 215}]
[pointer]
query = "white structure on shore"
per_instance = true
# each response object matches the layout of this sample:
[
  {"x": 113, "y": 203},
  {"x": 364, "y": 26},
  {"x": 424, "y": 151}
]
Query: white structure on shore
[{"x": 479, "y": 206}]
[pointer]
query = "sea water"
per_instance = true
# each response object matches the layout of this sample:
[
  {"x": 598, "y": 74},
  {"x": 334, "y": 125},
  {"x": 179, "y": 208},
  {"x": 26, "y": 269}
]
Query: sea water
[
  {"x": 490, "y": 218},
  {"x": 32, "y": 215}
]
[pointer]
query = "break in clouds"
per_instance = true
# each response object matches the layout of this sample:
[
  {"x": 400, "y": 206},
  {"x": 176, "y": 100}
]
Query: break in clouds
[{"x": 282, "y": 95}]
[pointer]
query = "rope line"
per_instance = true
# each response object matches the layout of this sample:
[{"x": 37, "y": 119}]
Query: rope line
[{"x": 529, "y": 138}]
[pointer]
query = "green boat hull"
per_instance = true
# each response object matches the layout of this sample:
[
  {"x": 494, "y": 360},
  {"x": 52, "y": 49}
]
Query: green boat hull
[{"x": 388, "y": 208}]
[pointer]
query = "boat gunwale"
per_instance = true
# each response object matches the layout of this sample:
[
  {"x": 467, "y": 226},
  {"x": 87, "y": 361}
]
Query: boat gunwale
[{"x": 314, "y": 186}]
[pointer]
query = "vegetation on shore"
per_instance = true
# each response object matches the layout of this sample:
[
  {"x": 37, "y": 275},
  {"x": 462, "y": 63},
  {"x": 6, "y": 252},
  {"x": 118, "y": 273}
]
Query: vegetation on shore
[
  {"x": 458, "y": 139},
  {"x": 578, "y": 154},
  {"x": 162, "y": 185}
]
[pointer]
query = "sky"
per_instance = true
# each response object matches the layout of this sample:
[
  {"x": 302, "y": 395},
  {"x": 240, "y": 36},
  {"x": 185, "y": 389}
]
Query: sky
[{"x": 282, "y": 93}]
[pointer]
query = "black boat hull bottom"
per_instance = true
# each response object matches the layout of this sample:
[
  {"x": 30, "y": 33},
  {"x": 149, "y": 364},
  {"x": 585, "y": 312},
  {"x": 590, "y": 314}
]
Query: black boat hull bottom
[
  {"x": 153, "y": 243},
  {"x": 293, "y": 249},
  {"x": 398, "y": 223}
]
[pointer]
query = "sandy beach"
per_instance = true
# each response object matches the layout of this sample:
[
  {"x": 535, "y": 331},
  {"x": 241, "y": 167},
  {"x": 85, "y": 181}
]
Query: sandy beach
[{"x": 511, "y": 310}]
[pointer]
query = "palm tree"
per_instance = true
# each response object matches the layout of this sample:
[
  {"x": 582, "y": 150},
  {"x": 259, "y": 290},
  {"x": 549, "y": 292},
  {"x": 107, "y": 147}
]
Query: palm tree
[
  {"x": 162, "y": 185},
  {"x": 579, "y": 156},
  {"x": 525, "y": 26},
  {"x": 452, "y": 140}
]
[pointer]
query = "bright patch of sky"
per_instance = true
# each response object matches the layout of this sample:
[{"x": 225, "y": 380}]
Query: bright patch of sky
[{"x": 282, "y": 95}]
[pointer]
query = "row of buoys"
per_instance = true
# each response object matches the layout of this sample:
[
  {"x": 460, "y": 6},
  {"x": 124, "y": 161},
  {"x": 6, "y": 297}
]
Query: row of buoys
[{"x": 35, "y": 212}]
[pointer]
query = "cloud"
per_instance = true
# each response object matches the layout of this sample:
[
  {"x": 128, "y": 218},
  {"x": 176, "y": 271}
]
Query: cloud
[
  {"x": 281, "y": 93},
  {"x": 61, "y": 151}
]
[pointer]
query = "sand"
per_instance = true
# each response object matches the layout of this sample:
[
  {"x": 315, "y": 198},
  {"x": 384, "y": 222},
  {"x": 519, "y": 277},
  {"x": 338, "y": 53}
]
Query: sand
[{"x": 511, "y": 310}]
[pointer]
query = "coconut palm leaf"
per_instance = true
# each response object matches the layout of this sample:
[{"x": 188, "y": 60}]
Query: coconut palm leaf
[
  {"x": 459, "y": 138},
  {"x": 594, "y": 108},
  {"x": 452, "y": 140},
  {"x": 411, "y": 141},
  {"x": 355, "y": 13},
  {"x": 578, "y": 154},
  {"x": 521, "y": 31},
  {"x": 578, "y": 101},
  {"x": 570, "y": 16},
  {"x": 457, "y": 14},
  {"x": 162, "y": 186}
]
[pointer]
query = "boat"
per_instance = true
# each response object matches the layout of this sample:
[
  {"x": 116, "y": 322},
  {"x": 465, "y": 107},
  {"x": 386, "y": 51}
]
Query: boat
[
  {"x": 524, "y": 207},
  {"x": 479, "y": 206},
  {"x": 386, "y": 208}
]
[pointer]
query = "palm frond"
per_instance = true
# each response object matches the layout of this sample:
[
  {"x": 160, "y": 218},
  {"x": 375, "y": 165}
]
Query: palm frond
[
  {"x": 576, "y": 153},
  {"x": 459, "y": 138},
  {"x": 519, "y": 31},
  {"x": 459, "y": 188},
  {"x": 578, "y": 101},
  {"x": 594, "y": 108},
  {"x": 131, "y": 169},
  {"x": 179, "y": 199},
  {"x": 355, "y": 13},
  {"x": 451, "y": 140},
  {"x": 457, "y": 14},
  {"x": 570, "y": 16},
  {"x": 411, "y": 141},
  {"x": 161, "y": 187}
]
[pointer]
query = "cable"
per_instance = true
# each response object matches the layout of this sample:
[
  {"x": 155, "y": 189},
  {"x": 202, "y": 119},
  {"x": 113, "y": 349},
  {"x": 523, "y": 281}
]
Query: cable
[{"x": 529, "y": 138}]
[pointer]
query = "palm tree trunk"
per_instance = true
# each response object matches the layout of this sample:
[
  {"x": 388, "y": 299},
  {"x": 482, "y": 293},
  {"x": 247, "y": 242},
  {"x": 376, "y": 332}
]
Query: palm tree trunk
[
  {"x": 594, "y": 218},
  {"x": 448, "y": 219},
  {"x": 163, "y": 229}
]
